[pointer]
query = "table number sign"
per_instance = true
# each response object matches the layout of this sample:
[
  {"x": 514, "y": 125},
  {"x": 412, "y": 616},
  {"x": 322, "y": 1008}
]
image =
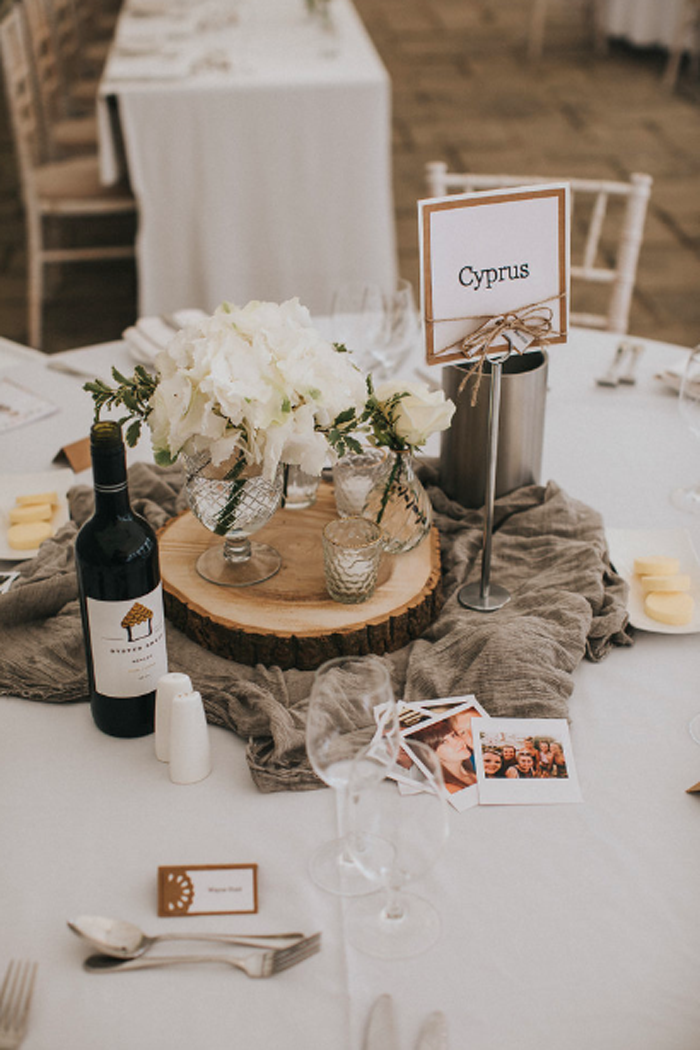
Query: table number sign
[
  {"x": 208, "y": 889},
  {"x": 494, "y": 263}
]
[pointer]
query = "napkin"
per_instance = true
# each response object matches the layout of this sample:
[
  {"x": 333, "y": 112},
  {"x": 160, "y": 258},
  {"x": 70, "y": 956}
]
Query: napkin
[
  {"x": 150, "y": 335},
  {"x": 548, "y": 549},
  {"x": 673, "y": 376}
]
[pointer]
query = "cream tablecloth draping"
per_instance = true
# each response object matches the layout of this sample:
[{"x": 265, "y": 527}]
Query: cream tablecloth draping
[
  {"x": 264, "y": 182},
  {"x": 645, "y": 23},
  {"x": 571, "y": 924}
]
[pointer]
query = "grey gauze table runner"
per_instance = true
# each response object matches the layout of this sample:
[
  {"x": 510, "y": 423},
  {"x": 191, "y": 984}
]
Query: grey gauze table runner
[{"x": 549, "y": 551}]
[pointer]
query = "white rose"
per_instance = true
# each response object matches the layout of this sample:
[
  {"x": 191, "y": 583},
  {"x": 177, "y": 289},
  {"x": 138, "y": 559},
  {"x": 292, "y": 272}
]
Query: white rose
[{"x": 420, "y": 413}]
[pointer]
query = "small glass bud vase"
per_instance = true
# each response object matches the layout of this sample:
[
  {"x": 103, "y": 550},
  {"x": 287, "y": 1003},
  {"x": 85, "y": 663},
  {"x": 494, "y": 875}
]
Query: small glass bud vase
[
  {"x": 399, "y": 504},
  {"x": 299, "y": 489},
  {"x": 354, "y": 475}
]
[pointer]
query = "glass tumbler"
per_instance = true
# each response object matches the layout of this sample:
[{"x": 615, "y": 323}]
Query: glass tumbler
[
  {"x": 354, "y": 476},
  {"x": 352, "y": 550}
]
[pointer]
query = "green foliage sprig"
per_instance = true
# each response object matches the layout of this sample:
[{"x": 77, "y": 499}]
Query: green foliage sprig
[
  {"x": 380, "y": 419},
  {"x": 133, "y": 392}
]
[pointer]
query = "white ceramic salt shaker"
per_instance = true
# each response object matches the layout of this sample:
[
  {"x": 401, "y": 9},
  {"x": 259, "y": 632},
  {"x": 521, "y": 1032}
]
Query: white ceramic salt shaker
[
  {"x": 190, "y": 752},
  {"x": 169, "y": 685}
]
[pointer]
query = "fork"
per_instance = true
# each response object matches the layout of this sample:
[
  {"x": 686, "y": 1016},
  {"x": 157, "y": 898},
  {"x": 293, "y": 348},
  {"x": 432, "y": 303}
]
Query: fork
[
  {"x": 257, "y": 964},
  {"x": 15, "y": 1000}
]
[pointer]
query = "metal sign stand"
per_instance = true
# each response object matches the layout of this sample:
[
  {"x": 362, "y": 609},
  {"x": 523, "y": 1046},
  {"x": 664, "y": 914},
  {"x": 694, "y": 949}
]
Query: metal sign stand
[{"x": 486, "y": 596}]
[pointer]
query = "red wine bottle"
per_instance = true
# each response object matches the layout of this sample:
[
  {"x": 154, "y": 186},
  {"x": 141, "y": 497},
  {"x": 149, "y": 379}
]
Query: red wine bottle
[{"x": 121, "y": 597}]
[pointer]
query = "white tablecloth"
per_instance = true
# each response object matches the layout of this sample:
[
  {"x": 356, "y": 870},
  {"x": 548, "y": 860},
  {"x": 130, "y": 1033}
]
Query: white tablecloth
[
  {"x": 644, "y": 22},
  {"x": 264, "y": 182},
  {"x": 571, "y": 925}
]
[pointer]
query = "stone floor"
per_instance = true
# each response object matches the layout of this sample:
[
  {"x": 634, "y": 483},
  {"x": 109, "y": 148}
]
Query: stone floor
[{"x": 464, "y": 91}]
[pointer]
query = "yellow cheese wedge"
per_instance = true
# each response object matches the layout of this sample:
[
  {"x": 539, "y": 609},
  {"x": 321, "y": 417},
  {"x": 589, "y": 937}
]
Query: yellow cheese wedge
[
  {"x": 671, "y": 607},
  {"x": 656, "y": 566},
  {"x": 38, "y": 497},
  {"x": 27, "y": 537},
  {"x": 679, "y": 582},
  {"x": 31, "y": 512}
]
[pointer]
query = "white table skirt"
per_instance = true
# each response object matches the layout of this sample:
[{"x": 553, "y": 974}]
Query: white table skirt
[
  {"x": 571, "y": 924},
  {"x": 260, "y": 184},
  {"x": 645, "y": 23}
]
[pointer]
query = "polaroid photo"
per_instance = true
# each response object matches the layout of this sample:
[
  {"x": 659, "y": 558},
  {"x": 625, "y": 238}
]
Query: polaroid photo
[
  {"x": 413, "y": 713},
  {"x": 447, "y": 729},
  {"x": 524, "y": 761}
]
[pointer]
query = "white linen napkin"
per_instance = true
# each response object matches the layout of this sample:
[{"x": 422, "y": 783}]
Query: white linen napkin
[
  {"x": 673, "y": 375},
  {"x": 150, "y": 335}
]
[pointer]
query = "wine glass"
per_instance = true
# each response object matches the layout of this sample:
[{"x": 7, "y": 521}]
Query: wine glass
[
  {"x": 355, "y": 319},
  {"x": 352, "y": 712},
  {"x": 394, "y": 838},
  {"x": 689, "y": 405},
  {"x": 399, "y": 332}
]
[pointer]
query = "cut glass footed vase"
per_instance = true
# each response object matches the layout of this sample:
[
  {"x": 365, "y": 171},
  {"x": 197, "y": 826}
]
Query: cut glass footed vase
[{"x": 233, "y": 500}]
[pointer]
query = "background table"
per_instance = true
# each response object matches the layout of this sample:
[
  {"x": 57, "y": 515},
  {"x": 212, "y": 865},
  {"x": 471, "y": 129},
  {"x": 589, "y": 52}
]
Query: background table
[
  {"x": 646, "y": 23},
  {"x": 267, "y": 181},
  {"x": 574, "y": 925}
]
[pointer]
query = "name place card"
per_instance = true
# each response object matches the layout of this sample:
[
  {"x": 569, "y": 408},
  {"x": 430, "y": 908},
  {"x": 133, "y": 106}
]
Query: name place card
[
  {"x": 490, "y": 254},
  {"x": 208, "y": 889}
]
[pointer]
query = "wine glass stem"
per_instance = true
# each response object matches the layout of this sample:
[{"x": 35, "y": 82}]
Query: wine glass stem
[
  {"x": 237, "y": 550},
  {"x": 341, "y": 796},
  {"x": 394, "y": 910}
]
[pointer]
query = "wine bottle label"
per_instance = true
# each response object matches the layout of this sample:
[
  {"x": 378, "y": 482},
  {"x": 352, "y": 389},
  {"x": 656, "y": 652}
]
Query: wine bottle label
[{"x": 128, "y": 644}]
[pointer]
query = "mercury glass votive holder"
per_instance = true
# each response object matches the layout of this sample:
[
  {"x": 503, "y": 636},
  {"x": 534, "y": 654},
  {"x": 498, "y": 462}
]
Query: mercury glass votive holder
[{"x": 352, "y": 551}]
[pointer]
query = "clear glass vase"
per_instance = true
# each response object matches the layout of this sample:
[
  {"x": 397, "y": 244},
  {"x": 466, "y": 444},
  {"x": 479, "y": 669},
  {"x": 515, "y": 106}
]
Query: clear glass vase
[
  {"x": 354, "y": 475},
  {"x": 233, "y": 500},
  {"x": 299, "y": 489},
  {"x": 400, "y": 505}
]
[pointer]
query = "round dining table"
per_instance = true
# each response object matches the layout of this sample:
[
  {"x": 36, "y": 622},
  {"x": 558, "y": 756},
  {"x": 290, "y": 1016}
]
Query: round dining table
[{"x": 573, "y": 925}]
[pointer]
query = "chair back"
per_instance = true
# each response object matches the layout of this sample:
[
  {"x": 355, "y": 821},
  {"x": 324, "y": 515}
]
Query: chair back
[
  {"x": 50, "y": 84},
  {"x": 607, "y": 228},
  {"x": 21, "y": 97},
  {"x": 63, "y": 20}
]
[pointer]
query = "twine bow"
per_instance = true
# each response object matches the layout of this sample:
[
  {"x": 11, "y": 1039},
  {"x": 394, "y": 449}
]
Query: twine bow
[{"x": 533, "y": 321}]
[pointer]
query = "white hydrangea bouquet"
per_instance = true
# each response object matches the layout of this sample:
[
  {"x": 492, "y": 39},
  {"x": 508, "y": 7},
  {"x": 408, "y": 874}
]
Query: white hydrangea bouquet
[{"x": 256, "y": 383}]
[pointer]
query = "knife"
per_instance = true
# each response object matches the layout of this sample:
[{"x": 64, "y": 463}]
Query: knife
[
  {"x": 380, "y": 1033},
  {"x": 433, "y": 1034}
]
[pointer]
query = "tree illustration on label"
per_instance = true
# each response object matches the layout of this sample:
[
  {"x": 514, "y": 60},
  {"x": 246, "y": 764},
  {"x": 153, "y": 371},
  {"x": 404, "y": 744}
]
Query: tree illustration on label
[{"x": 138, "y": 622}]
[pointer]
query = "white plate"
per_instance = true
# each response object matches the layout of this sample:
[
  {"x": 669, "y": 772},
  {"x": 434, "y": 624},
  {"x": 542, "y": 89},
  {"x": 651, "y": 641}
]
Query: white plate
[
  {"x": 13, "y": 485},
  {"x": 627, "y": 544}
]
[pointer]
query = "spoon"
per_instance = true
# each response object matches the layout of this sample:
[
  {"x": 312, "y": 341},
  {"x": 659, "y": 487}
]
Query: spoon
[{"x": 123, "y": 940}]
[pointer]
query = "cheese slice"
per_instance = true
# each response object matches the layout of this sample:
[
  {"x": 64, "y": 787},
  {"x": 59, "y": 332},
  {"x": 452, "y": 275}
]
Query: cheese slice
[
  {"x": 671, "y": 607},
  {"x": 38, "y": 497},
  {"x": 31, "y": 512},
  {"x": 679, "y": 582},
  {"x": 656, "y": 566},
  {"x": 28, "y": 536}
]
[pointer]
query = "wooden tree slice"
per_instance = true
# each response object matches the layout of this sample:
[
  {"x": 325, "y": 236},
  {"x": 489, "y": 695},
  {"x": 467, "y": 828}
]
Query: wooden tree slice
[{"x": 289, "y": 620}]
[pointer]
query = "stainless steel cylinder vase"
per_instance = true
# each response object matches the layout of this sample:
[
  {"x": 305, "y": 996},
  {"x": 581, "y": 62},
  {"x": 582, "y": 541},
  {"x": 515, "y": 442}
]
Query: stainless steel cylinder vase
[{"x": 464, "y": 447}]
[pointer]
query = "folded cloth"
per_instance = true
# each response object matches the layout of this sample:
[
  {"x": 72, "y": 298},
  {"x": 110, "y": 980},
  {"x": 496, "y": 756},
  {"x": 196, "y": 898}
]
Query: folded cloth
[
  {"x": 548, "y": 549},
  {"x": 150, "y": 335},
  {"x": 673, "y": 376}
]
